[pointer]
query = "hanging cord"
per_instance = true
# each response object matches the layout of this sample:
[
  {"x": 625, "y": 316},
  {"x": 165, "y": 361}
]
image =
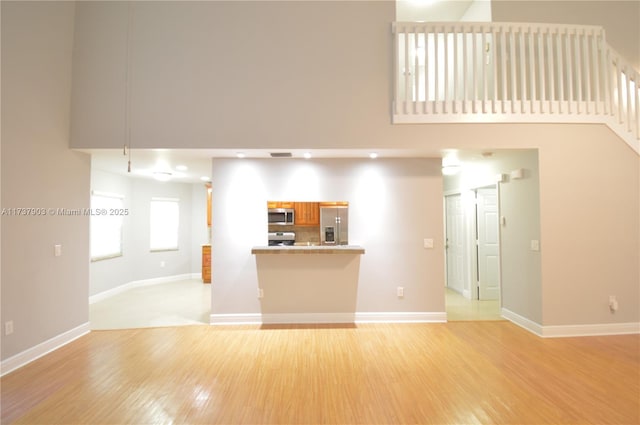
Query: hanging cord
[{"x": 127, "y": 88}]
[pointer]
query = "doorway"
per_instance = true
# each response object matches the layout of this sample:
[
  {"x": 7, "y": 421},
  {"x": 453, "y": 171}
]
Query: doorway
[{"x": 472, "y": 254}]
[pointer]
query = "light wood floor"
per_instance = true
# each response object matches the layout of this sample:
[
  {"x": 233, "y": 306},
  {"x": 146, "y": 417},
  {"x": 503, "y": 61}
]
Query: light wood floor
[{"x": 450, "y": 373}]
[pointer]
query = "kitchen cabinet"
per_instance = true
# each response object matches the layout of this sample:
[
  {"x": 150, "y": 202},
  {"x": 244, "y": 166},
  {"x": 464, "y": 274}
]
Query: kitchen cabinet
[
  {"x": 307, "y": 213},
  {"x": 206, "y": 263},
  {"x": 334, "y": 204},
  {"x": 279, "y": 204},
  {"x": 208, "y": 186}
]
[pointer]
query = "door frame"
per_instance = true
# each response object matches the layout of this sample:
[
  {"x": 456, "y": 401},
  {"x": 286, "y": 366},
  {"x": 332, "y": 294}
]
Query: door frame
[{"x": 468, "y": 194}]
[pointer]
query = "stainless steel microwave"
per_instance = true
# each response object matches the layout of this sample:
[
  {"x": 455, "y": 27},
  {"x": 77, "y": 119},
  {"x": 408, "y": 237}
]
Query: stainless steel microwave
[{"x": 281, "y": 216}]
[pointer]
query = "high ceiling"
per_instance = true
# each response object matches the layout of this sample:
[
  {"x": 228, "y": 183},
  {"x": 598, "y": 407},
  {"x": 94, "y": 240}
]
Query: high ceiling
[{"x": 144, "y": 163}]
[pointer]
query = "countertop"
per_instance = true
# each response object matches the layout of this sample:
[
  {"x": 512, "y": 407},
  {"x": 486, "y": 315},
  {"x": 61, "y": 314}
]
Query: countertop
[{"x": 308, "y": 249}]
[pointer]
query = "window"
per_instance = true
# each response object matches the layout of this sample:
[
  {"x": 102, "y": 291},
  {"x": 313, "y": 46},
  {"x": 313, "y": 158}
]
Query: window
[
  {"x": 164, "y": 219},
  {"x": 106, "y": 228}
]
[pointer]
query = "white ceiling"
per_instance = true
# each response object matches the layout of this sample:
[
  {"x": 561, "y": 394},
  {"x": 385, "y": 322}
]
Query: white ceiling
[
  {"x": 432, "y": 10},
  {"x": 144, "y": 162}
]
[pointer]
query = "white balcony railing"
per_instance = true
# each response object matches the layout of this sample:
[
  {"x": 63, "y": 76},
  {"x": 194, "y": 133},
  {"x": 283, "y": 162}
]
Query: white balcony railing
[{"x": 507, "y": 72}]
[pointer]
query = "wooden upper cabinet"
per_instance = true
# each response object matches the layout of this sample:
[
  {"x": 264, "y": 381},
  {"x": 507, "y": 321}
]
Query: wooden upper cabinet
[
  {"x": 307, "y": 213},
  {"x": 280, "y": 204},
  {"x": 334, "y": 204}
]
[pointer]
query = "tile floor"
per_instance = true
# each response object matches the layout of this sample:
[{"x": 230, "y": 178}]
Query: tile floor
[
  {"x": 188, "y": 302},
  {"x": 185, "y": 302},
  {"x": 459, "y": 308}
]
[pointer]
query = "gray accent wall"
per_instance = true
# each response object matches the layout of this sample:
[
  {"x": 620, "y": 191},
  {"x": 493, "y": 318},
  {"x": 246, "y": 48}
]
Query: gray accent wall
[
  {"x": 45, "y": 296},
  {"x": 619, "y": 18}
]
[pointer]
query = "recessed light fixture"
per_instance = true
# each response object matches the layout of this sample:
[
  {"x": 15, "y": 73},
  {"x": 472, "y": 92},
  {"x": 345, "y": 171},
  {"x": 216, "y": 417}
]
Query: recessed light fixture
[
  {"x": 240, "y": 155},
  {"x": 205, "y": 178},
  {"x": 181, "y": 168},
  {"x": 451, "y": 169},
  {"x": 162, "y": 176},
  {"x": 373, "y": 155},
  {"x": 307, "y": 155}
]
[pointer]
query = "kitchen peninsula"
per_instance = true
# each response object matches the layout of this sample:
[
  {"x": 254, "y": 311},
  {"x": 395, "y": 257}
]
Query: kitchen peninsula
[
  {"x": 308, "y": 249},
  {"x": 321, "y": 285}
]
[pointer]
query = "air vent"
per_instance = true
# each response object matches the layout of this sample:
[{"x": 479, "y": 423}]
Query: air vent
[{"x": 280, "y": 154}]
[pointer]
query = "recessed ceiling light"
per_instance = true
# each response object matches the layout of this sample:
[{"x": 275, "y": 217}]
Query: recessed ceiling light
[
  {"x": 240, "y": 155},
  {"x": 162, "y": 176},
  {"x": 205, "y": 178},
  {"x": 373, "y": 155},
  {"x": 182, "y": 167},
  {"x": 307, "y": 155}
]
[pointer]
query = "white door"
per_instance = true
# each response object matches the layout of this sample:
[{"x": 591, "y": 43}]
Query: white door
[
  {"x": 455, "y": 249},
  {"x": 488, "y": 244}
]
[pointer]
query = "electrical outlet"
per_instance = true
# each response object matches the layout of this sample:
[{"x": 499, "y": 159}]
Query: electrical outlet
[
  {"x": 8, "y": 327},
  {"x": 400, "y": 292},
  {"x": 162, "y": 264},
  {"x": 428, "y": 243},
  {"x": 57, "y": 250},
  {"x": 260, "y": 293},
  {"x": 613, "y": 303}
]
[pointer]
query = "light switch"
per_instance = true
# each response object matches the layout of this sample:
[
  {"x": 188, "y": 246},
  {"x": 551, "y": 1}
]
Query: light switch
[
  {"x": 428, "y": 243},
  {"x": 535, "y": 245},
  {"x": 57, "y": 250}
]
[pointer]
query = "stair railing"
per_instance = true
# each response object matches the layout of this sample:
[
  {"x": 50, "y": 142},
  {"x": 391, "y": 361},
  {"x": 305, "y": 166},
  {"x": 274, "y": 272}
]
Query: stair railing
[{"x": 513, "y": 72}]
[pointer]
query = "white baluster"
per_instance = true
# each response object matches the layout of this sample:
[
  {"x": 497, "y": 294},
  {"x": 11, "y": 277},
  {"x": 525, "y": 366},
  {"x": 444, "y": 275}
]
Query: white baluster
[
  {"x": 437, "y": 65},
  {"x": 595, "y": 54},
  {"x": 426, "y": 70},
  {"x": 543, "y": 87},
  {"x": 483, "y": 67},
  {"x": 445, "y": 38},
  {"x": 559, "y": 70},
  {"x": 455, "y": 69},
  {"x": 569, "y": 73},
  {"x": 550, "y": 68},
  {"x": 416, "y": 71},
  {"x": 578, "y": 69},
  {"x": 512, "y": 68},
  {"x": 465, "y": 71},
  {"x": 474, "y": 70},
  {"x": 587, "y": 71},
  {"x": 532, "y": 72},
  {"x": 503, "y": 67},
  {"x": 523, "y": 87}
]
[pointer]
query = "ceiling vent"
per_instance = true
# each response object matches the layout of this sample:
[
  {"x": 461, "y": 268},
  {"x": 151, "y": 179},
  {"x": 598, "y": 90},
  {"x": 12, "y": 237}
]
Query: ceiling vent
[{"x": 280, "y": 154}]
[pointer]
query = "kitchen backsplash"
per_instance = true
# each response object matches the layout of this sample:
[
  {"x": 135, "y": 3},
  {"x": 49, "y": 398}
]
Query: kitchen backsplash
[{"x": 304, "y": 234}]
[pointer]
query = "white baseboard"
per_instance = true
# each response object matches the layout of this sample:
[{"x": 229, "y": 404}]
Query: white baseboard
[
  {"x": 306, "y": 318},
  {"x": 33, "y": 353},
  {"x": 591, "y": 330},
  {"x": 235, "y": 319},
  {"x": 558, "y": 331},
  {"x": 521, "y": 321},
  {"x": 139, "y": 283},
  {"x": 402, "y": 317}
]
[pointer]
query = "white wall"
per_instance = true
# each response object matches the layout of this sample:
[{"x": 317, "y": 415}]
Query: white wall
[
  {"x": 44, "y": 296},
  {"x": 393, "y": 205},
  {"x": 137, "y": 262}
]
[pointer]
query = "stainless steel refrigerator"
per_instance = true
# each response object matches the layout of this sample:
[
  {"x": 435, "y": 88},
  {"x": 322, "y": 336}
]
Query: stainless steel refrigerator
[{"x": 334, "y": 225}]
